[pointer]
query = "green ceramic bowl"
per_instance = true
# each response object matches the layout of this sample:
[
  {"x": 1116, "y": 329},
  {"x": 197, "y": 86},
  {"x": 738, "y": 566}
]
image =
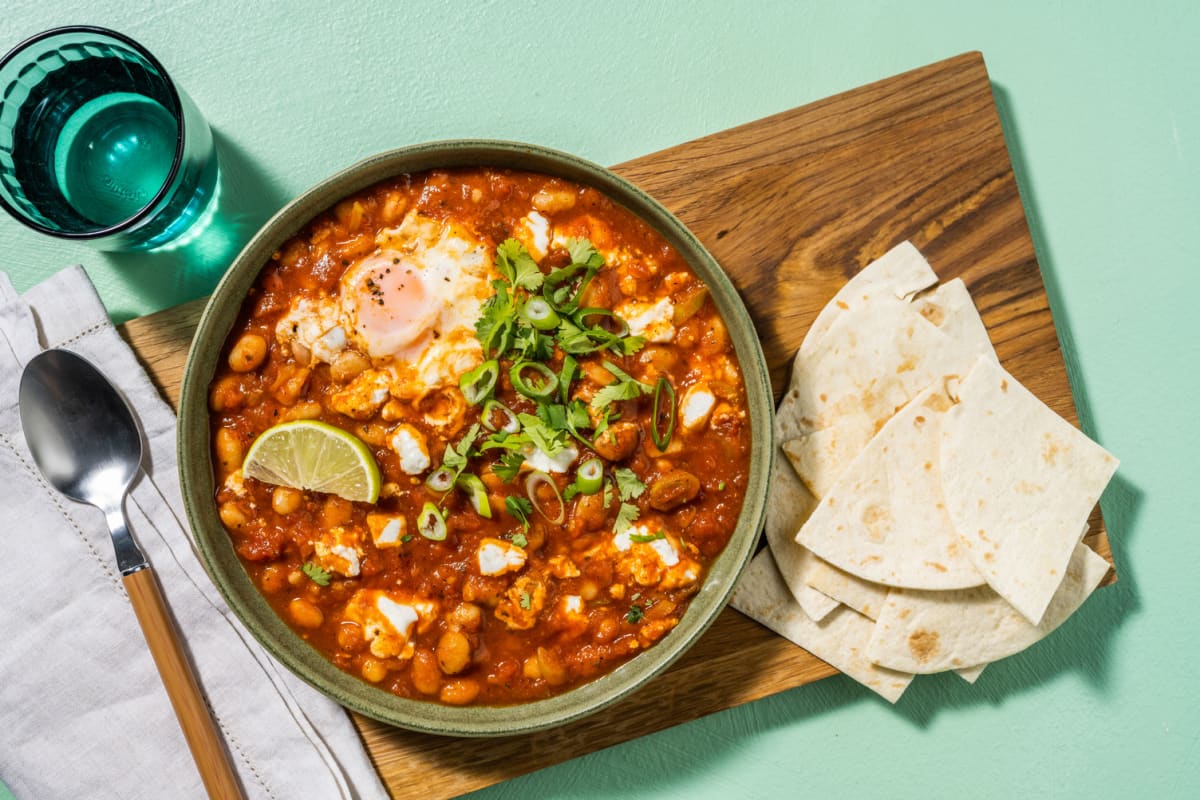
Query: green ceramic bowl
[{"x": 196, "y": 471}]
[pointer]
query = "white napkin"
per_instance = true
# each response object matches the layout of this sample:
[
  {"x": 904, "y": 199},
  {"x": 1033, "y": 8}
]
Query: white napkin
[{"x": 82, "y": 710}]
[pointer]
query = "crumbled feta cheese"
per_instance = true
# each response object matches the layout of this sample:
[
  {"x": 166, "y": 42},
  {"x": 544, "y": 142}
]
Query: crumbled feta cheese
[
  {"x": 666, "y": 552},
  {"x": 536, "y": 234},
  {"x": 653, "y": 321},
  {"x": 410, "y": 445},
  {"x": 696, "y": 406},
  {"x": 560, "y": 462},
  {"x": 386, "y": 529},
  {"x": 497, "y": 557}
]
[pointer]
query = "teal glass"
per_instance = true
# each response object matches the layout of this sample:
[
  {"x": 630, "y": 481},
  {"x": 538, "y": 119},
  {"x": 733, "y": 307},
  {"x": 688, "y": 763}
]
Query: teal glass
[{"x": 98, "y": 144}]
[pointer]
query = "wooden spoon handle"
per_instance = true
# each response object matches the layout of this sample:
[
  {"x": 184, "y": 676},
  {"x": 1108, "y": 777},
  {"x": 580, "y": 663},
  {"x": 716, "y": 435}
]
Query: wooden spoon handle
[{"x": 208, "y": 749}]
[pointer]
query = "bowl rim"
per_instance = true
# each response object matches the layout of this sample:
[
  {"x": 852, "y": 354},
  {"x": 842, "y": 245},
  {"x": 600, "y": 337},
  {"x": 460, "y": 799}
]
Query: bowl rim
[{"x": 226, "y": 571}]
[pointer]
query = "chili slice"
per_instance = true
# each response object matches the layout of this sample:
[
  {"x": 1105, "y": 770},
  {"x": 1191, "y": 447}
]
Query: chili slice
[
  {"x": 531, "y": 483},
  {"x": 478, "y": 384},
  {"x": 476, "y": 493},
  {"x": 494, "y": 406},
  {"x": 662, "y": 439},
  {"x": 533, "y": 390},
  {"x": 441, "y": 479}
]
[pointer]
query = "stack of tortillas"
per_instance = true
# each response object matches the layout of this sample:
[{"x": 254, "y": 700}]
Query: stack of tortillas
[{"x": 927, "y": 511}]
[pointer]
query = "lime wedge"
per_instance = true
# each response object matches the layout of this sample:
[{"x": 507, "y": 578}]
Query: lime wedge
[{"x": 307, "y": 454}]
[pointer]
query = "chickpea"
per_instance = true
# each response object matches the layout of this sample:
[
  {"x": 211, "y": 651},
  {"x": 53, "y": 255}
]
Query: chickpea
[
  {"x": 274, "y": 578},
  {"x": 296, "y": 578},
  {"x": 228, "y": 446},
  {"x": 588, "y": 514},
  {"x": 305, "y": 613},
  {"x": 618, "y": 441},
  {"x": 553, "y": 670},
  {"x": 589, "y": 590},
  {"x": 350, "y": 637},
  {"x": 248, "y": 353},
  {"x": 467, "y": 616},
  {"x": 715, "y": 337},
  {"x": 459, "y": 692},
  {"x": 347, "y": 365},
  {"x": 306, "y": 409},
  {"x": 232, "y": 516},
  {"x": 426, "y": 676},
  {"x": 656, "y": 361},
  {"x": 286, "y": 500},
  {"x": 453, "y": 652},
  {"x": 227, "y": 394},
  {"x": 373, "y": 670},
  {"x": 553, "y": 200},
  {"x": 336, "y": 511}
]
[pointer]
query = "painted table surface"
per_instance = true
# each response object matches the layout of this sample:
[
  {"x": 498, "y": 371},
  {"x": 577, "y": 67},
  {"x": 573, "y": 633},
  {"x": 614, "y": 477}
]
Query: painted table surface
[{"x": 1101, "y": 111}]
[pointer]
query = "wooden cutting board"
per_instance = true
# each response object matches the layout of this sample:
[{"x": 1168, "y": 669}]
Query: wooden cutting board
[{"x": 791, "y": 206}]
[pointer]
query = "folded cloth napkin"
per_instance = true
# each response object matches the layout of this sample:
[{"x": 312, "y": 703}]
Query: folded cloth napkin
[{"x": 82, "y": 710}]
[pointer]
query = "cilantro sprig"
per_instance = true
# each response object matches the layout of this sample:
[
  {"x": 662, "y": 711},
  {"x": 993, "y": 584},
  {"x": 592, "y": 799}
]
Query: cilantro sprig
[{"x": 316, "y": 573}]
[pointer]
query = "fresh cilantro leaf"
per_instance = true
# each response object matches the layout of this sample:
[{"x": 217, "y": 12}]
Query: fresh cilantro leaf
[
  {"x": 584, "y": 252},
  {"x": 608, "y": 493},
  {"x": 644, "y": 538},
  {"x": 629, "y": 486},
  {"x": 456, "y": 456},
  {"x": 519, "y": 507},
  {"x": 632, "y": 344},
  {"x": 406, "y": 538},
  {"x": 635, "y": 615},
  {"x": 508, "y": 466},
  {"x": 318, "y": 575},
  {"x": 553, "y": 415},
  {"x": 569, "y": 492},
  {"x": 526, "y": 600},
  {"x": 540, "y": 435},
  {"x": 625, "y": 388},
  {"x": 516, "y": 264},
  {"x": 577, "y": 415},
  {"x": 497, "y": 318},
  {"x": 520, "y": 540},
  {"x": 626, "y": 516}
]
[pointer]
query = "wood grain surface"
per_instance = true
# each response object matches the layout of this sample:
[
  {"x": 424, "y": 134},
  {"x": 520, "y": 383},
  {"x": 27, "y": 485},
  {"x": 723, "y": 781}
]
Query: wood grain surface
[{"x": 791, "y": 206}]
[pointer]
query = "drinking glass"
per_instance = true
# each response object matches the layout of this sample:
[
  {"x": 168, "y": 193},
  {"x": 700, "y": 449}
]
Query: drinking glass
[{"x": 98, "y": 144}]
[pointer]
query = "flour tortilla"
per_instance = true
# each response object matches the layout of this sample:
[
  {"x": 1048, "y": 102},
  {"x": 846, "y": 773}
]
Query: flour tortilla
[
  {"x": 863, "y": 596},
  {"x": 840, "y": 639},
  {"x": 1019, "y": 483},
  {"x": 925, "y": 632},
  {"x": 873, "y": 359},
  {"x": 788, "y": 506},
  {"x": 899, "y": 275},
  {"x": 884, "y": 519}
]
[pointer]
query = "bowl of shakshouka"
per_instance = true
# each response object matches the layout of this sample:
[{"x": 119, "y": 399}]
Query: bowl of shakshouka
[{"x": 474, "y": 437}]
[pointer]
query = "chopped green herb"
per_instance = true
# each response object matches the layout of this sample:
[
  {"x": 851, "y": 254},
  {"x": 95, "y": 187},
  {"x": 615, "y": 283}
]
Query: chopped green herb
[
  {"x": 520, "y": 540},
  {"x": 629, "y": 486},
  {"x": 526, "y": 600},
  {"x": 517, "y": 266},
  {"x": 519, "y": 507},
  {"x": 626, "y": 516},
  {"x": 318, "y": 575},
  {"x": 608, "y": 493},
  {"x": 635, "y": 615},
  {"x": 721, "y": 486},
  {"x": 626, "y": 388},
  {"x": 406, "y": 538},
  {"x": 508, "y": 466},
  {"x": 644, "y": 538}
]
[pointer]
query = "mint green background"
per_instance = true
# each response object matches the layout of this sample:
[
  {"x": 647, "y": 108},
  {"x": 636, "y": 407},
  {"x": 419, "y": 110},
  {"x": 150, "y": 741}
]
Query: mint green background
[{"x": 1100, "y": 103}]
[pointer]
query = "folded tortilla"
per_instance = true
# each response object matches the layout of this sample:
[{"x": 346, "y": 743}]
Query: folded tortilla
[
  {"x": 863, "y": 596},
  {"x": 873, "y": 359},
  {"x": 788, "y": 506},
  {"x": 1019, "y": 484},
  {"x": 925, "y": 632},
  {"x": 840, "y": 639},
  {"x": 884, "y": 519}
]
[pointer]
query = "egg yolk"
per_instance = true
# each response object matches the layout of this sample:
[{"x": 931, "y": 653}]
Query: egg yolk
[{"x": 389, "y": 302}]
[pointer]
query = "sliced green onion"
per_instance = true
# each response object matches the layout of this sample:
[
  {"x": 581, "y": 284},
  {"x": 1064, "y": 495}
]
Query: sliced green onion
[
  {"x": 431, "y": 524},
  {"x": 476, "y": 493},
  {"x": 536, "y": 478},
  {"x": 441, "y": 479},
  {"x": 535, "y": 390},
  {"x": 540, "y": 314},
  {"x": 582, "y": 316},
  {"x": 493, "y": 407},
  {"x": 663, "y": 438},
  {"x": 570, "y": 367},
  {"x": 477, "y": 385},
  {"x": 590, "y": 476}
]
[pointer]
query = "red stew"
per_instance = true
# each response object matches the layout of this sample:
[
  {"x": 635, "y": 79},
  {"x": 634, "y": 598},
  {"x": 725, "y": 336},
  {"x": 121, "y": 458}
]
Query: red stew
[{"x": 543, "y": 519}]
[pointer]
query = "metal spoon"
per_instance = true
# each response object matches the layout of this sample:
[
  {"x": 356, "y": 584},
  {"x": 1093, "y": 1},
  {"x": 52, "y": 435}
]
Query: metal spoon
[{"x": 86, "y": 442}]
